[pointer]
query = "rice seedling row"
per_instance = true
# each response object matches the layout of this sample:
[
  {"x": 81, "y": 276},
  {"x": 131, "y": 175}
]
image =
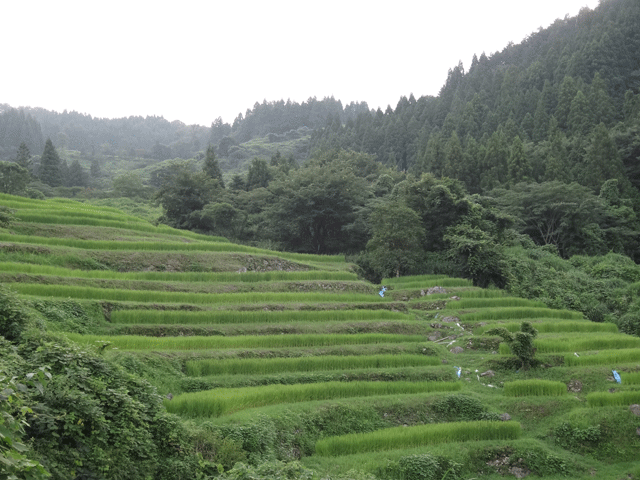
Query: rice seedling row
[
  {"x": 135, "y": 342},
  {"x": 583, "y": 343},
  {"x": 91, "y": 222},
  {"x": 545, "y": 326},
  {"x": 168, "y": 317},
  {"x": 437, "y": 282},
  {"x": 222, "y": 245},
  {"x": 408, "y": 437},
  {"x": 70, "y": 216},
  {"x": 464, "y": 303},
  {"x": 221, "y": 277},
  {"x": 630, "y": 378},
  {"x": 524, "y": 388},
  {"x": 223, "y": 401},
  {"x": 516, "y": 313},
  {"x": 616, "y": 399},
  {"x": 607, "y": 357},
  {"x": 304, "y": 364},
  {"x": 411, "y": 279},
  {"x": 112, "y": 294},
  {"x": 409, "y": 374}
]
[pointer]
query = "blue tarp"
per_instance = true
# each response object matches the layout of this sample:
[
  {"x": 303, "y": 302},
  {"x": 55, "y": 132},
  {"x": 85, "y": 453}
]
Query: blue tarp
[{"x": 617, "y": 376}]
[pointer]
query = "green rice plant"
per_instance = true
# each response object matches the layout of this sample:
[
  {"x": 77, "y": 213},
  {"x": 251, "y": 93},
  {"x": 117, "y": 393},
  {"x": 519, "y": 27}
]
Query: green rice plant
[
  {"x": 581, "y": 343},
  {"x": 438, "y": 282},
  {"x": 525, "y": 388},
  {"x": 89, "y": 222},
  {"x": 616, "y": 399},
  {"x": 554, "y": 327},
  {"x": 411, "y": 279},
  {"x": 135, "y": 342},
  {"x": 220, "y": 246},
  {"x": 181, "y": 317},
  {"x": 607, "y": 357},
  {"x": 68, "y": 216},
  {"x": 519, "y": 313},
  {"x": 464, "y": 303},
  {"x": 254, "y": 366},
  {"x": 91, "y": 293},
  {"x": 408, "y": 437},
  {"x": 630, "y": 378},
  {"x": 222, "y": 277},
  {"x": 223, "y": 401},
  {"x": 405, "y": 374},
  {"x": 465, "y": 294}
]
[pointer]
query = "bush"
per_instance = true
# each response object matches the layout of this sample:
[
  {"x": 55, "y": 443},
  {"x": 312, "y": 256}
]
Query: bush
[
  {"x": 459, "y": 407},
  {"x": 427, "y": 467},
  {"x": 14, "y": 318}
]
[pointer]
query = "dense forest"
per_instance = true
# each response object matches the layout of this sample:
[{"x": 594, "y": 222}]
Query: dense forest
[{"x": 532, "y": 153}]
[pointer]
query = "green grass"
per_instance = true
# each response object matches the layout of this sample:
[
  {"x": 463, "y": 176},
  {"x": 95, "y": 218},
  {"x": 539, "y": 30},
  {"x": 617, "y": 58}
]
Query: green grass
[
  {"x": 252, "y": 366},
  {"x": 524, "y": 388},
  {"x": 112, "y": 294},
  {"x": 616, "y": 399},
  {"x": 223, "y": 401},
  {"x": 181, "y": 317},
  {"x": 134, "y": 342},
  {"x": 408, "y": 437}
]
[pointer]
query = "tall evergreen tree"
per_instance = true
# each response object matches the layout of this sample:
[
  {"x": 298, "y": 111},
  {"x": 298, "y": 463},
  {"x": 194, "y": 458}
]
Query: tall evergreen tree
[
  {"x": 211, "y": 166},
  {"x": 602, "y": 160},
  {"x": 580, "y": 115},
  {"x": 50, "y": 171},
  {"x": 23, "y": 157},
  {"x": 76, "y": 176},
  {"x": 519, "y": 165}
]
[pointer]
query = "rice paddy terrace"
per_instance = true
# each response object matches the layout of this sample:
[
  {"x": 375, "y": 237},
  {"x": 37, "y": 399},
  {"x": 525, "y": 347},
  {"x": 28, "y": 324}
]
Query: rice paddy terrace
[{"x": 291, "y": 356}]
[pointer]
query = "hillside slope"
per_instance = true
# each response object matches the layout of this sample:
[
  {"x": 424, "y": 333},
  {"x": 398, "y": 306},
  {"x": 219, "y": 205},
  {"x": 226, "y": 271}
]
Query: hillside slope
[{"x": 289, "y": 363}]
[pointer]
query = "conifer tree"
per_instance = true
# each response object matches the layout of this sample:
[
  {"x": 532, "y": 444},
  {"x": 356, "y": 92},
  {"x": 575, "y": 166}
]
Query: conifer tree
[
  {"x": 76, "y": 176},
  {"x": 211, "y": 167},
  {"x": 602, "y": 159},
  {"x": 580, "y": 115},
  {"x": 50, "y": 171},
  {"x": 567, "y": 93},
  {"x": 23, "y": 157},
  {"x": 519, "y": 165}
]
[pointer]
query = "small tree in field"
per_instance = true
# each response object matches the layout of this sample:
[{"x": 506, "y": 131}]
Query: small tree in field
[{"x": 520, "y": 343}]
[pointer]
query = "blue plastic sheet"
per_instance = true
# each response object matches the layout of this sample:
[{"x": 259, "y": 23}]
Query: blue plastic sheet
[{"x": 617, "y": 376}]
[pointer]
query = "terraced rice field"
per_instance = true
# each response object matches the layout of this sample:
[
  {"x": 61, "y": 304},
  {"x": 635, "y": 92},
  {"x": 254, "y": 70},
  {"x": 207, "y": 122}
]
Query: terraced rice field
[{"x": 233, "y": 335}]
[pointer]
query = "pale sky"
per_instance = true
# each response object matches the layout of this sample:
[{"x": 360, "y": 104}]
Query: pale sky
[{"x": 196, "y": 60}]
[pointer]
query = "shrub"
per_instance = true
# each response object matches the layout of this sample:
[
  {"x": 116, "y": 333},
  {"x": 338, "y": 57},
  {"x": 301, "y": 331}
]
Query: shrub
[
  {"x": 459, "y": 407},
  {"x": 14, "y": 317}
]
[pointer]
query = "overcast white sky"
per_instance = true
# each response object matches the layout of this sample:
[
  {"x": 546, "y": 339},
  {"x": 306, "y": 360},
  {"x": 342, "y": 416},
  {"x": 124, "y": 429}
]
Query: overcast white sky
[{"x": 195, "y": 60}]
